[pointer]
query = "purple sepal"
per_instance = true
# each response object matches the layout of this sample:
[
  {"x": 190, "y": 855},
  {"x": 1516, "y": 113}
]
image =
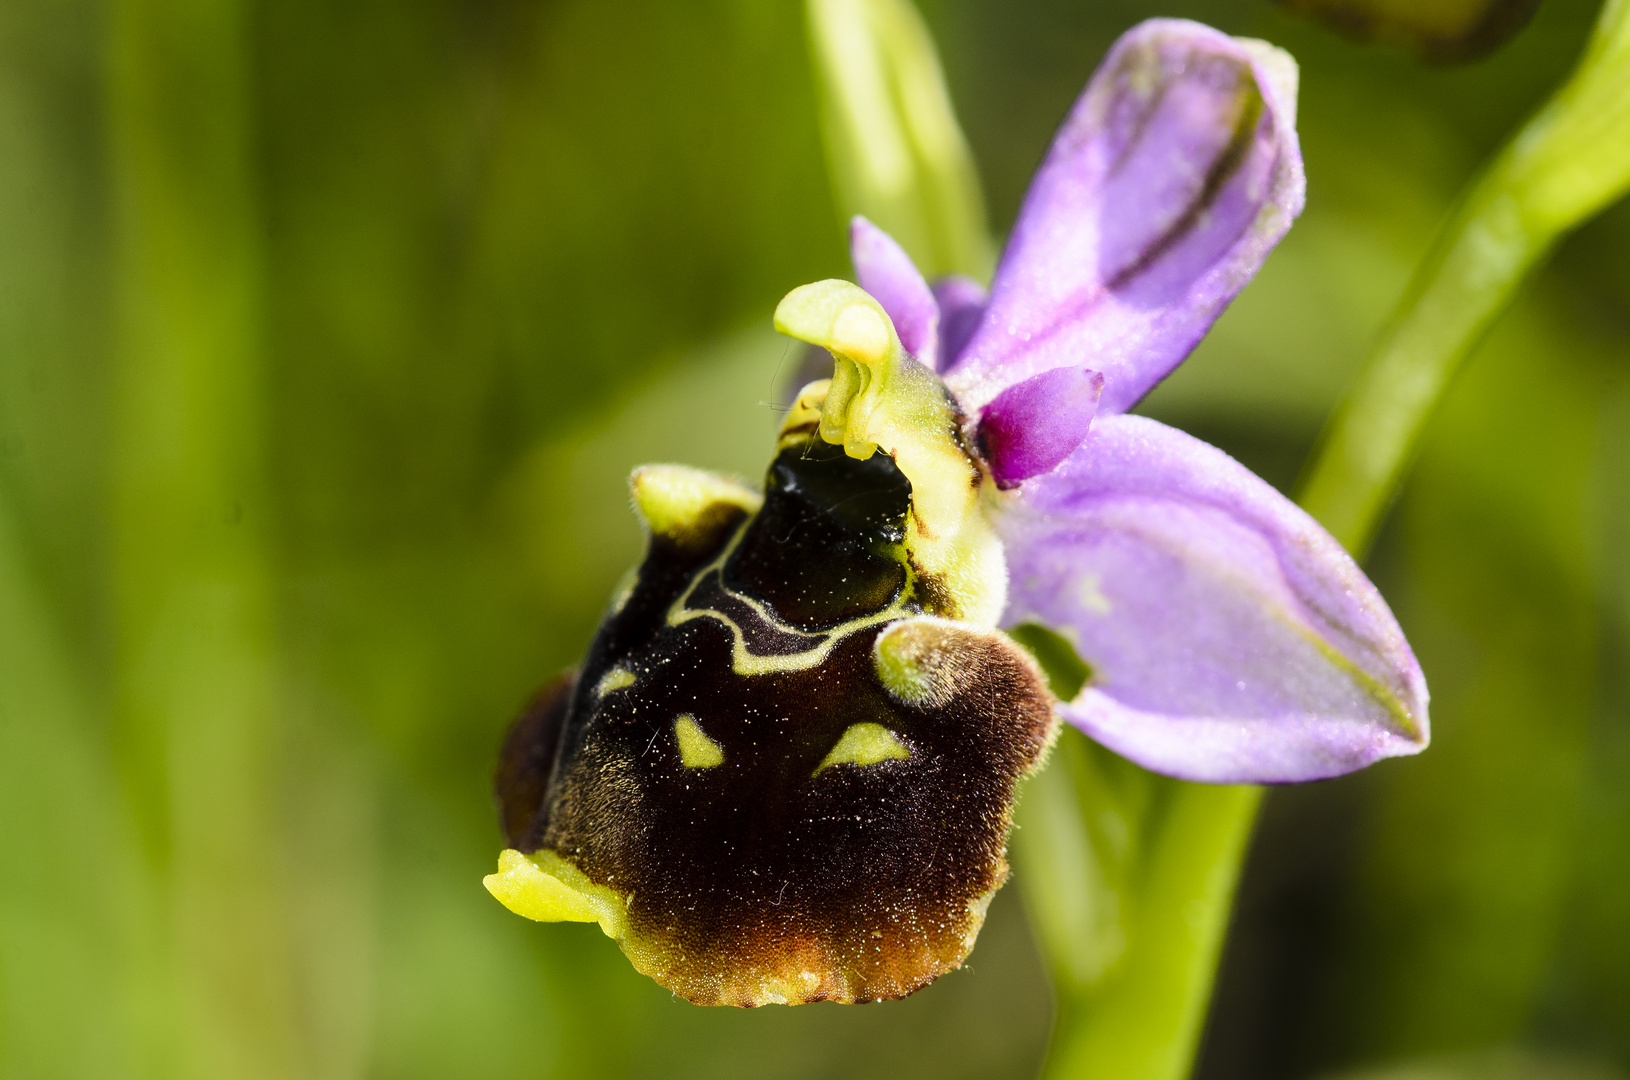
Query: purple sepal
[
  {"x": 1033, "y": 426},
  {"x": 1174, "y": 175},
  {"x": 1231, "y": 639},
  {"x": 962, "y": 302},
  {"x": 884, "y": 270}
]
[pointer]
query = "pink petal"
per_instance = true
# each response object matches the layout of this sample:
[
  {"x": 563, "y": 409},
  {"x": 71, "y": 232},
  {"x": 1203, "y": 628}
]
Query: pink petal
[
  {"x": 1175, "y": 174},
  {"x": 1033, "y": 426},
  {"x": 1232, "y": 640},
  {"x": 883, "y": 269}
]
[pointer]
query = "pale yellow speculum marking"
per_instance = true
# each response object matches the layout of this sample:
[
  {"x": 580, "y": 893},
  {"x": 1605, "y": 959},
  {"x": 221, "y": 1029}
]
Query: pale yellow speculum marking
[
  {"x": 546, "y": 888},
  {"x": 617, "y": 678},
  {"x": 745, "y": 662},
  {"x": 696, "y": 750},
  {"x": 864, "y": 744}
]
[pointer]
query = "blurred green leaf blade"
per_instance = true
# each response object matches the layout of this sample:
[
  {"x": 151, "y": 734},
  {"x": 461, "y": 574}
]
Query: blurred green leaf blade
[{"x": 895, "y": 150}]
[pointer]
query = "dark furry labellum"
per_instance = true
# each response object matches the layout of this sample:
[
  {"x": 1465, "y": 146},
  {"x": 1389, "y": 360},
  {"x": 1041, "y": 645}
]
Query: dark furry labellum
[
  {"x": 794, "y": 779},
  {"x": 785, "y": 771}
]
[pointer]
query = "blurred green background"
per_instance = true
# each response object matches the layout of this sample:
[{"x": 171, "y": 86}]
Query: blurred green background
[{"x": 328, "y": 333}]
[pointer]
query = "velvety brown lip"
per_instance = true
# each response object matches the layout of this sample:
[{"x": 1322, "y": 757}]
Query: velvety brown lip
[{"x": 764, "y": 876}]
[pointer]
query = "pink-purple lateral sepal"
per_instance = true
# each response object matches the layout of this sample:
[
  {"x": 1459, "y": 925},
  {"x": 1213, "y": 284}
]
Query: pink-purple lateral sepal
[
  {"x": 884, "y": 270},
  {"x": 1034, "y": 425},
  {"x": 1231, "y": 639},
  {"x": 1174, "y": 175}
]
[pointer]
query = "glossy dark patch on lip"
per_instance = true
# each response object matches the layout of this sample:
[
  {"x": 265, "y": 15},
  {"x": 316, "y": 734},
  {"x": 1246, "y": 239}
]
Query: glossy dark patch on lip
[{"x": 825, "y": 511}]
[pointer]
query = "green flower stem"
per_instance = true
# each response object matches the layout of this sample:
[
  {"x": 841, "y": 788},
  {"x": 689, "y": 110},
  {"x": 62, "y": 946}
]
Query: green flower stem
[
  {"x": 1129, "y": 879},
  {"x": 1567, "y": 163}
]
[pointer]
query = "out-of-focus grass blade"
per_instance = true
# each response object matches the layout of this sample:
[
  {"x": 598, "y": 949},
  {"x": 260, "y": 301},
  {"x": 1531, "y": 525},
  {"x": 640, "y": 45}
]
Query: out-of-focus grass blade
[
  {"x": 196, "y": 693},
  {"x": 1595, "y": 953},
  {"x": 894, "y": 148},
  {"x": 1495, "y": 1065},
  {"x": 1463, "y": 890},
  {"x": 1562, "y": 168},
  {"x": 73, "y": 899},
  {"x": 1442, "y": 31}
]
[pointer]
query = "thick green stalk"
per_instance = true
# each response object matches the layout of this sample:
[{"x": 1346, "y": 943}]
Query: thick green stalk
[
  {"x": 1567, "y": 163},
  {"x": 1129, "y": 878},
  {"x": 195, "y": 678}
]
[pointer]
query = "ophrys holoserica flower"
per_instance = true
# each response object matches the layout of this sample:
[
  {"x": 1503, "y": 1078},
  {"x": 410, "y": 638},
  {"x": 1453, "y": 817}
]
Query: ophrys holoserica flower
[{"x": 785, "y": 770}]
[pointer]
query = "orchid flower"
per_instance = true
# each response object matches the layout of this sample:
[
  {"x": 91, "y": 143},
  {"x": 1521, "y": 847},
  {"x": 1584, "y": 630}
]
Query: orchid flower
[{"x": 785, "y": 771}]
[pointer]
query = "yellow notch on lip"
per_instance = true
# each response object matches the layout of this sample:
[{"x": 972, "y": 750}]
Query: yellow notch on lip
[
  {"x": 546, "y": 888},
  {"x": 864, "y": 744},
  {"x": 696, "y": 750}
]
